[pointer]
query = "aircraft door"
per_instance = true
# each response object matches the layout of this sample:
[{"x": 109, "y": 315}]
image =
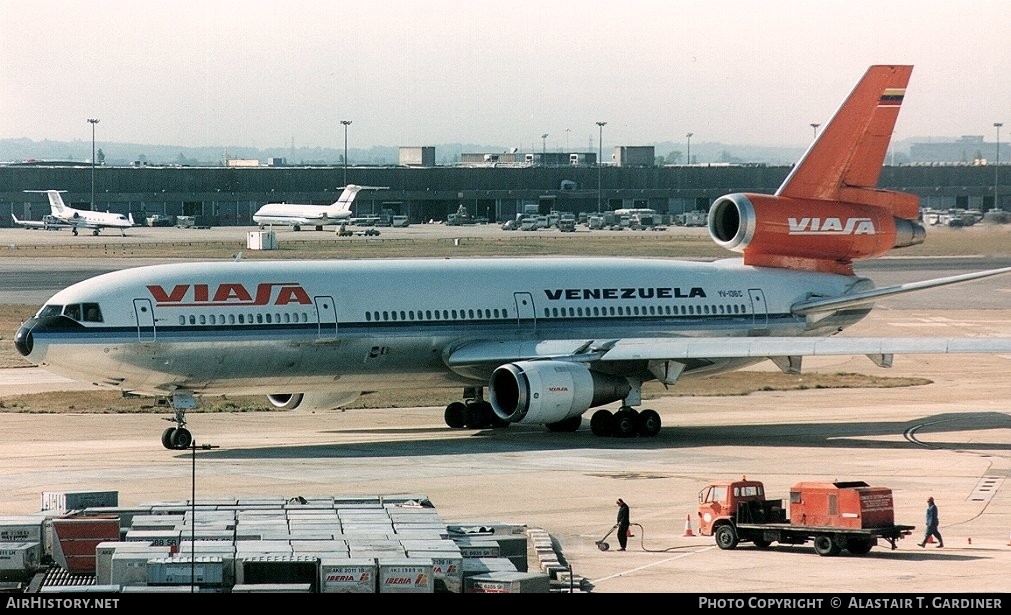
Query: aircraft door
[
  {"x": 758, "y": 308},
  {"x": 145, "y": 319},
  {"x": 326, "y": 314},
  {"x": 525, "y": 314}
]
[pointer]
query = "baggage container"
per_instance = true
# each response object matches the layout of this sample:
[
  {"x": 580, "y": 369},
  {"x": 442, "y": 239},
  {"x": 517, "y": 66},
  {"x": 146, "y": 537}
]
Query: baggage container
[
  {"x": 508, "y": 583},
  {"x": 348, "y": 576},
  {"x": 63, "y": 502},
  {"x": 406, "y": 576}
]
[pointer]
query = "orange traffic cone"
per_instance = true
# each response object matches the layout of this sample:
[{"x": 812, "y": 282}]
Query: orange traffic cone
[{"x": 688, "y": 526}]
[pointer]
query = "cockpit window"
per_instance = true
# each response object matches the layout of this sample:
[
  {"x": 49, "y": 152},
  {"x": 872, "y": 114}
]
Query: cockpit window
[
  {"x": 73, "y": 311},
  {"x": 50, "y": 310},
  {"x": 92, "y": 313}
]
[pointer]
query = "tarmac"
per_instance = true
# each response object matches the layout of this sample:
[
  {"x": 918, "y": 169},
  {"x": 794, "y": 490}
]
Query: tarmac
[{"x": 950, "y": 439}]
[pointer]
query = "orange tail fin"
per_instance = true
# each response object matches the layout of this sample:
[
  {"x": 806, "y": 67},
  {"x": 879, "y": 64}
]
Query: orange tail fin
[{"x": 844, "y": 163}]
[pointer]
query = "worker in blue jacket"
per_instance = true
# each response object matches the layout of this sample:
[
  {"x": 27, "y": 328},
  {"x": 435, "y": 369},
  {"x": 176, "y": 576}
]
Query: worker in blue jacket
[{"x": 932, "y": 522}]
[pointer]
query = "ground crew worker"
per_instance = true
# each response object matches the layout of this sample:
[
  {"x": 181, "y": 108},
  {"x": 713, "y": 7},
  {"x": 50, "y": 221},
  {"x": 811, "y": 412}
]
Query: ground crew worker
[
  {"x": 623, "y": 523},
  {"x": 932, "y": 522}
]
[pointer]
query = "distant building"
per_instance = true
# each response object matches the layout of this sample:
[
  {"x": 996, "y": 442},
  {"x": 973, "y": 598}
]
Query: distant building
[
  {"x": 238, "y": 162},
  {"x": 417, "y": 156},
  {"x": 635, "y": 156},
  {"x": 968, "y": 149}
]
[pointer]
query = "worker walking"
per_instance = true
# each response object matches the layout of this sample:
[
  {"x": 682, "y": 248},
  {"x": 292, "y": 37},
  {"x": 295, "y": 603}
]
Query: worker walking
[
  {"x": 623, "y": 523},
  {"x": 932, "y": 522}
]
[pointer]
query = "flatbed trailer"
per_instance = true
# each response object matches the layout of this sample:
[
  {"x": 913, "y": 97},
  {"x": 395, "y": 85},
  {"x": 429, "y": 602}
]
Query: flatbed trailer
[{"x": 838, "y": 516}]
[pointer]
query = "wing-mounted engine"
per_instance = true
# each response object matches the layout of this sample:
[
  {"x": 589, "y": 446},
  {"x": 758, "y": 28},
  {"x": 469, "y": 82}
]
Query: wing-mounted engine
[
  {"x": 811, "y": 234},
  {"x": 544, "y": 392},
  {"x": 312, "y": 401}
]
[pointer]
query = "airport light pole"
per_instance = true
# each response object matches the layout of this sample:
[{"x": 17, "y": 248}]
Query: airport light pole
[
  {"x": 600, "y": 159},
  {"x": 689, "y": 137},
  {"x": 814, "y": 127},
  {"x": 544, "y": 149},
  {"x": 93, "y": 121},
  {"x": 996, "y": 166},
  {"x": 346, "y": 123}
]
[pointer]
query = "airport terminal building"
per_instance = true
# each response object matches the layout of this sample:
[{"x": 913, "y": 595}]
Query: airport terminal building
[{"x": 229, "y": 195}]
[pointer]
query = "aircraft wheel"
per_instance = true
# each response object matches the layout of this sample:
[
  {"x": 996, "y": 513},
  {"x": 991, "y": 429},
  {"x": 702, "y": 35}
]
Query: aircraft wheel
[
  {"x": 75, "y": 232},
  {"x": 649, "y": 423},
  {"x": 601, "y": 423},
  {"x": 456, "y": 414},
  {"x": 296, "y": 228},
  {"x": 477, "y": 415},
  {"x": 625, "y": 422},
  {"x": 95, "y": 232},
  {"x": 182, "y": 439},
  {"x": 319, "y": 227},
  {"x": 166, "y": 437},
  {"x": 570, "y": 424}
]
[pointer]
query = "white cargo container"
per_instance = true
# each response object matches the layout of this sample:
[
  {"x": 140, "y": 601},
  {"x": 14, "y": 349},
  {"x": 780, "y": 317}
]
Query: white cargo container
[
  {"x": 348, "y": 576},
  {"x": 105, "y": 550},
  {"x": 21, "y": 529},
  {"x": 19, "y": 559},
  {"x": 508, "y": 583},
  {"x": 261, "y": 240},
  {"x": 447, "y": 570},
  {"x": 202, "y": 571},
  {"x": 65, "y": 501},
  {"x": 406, "y": 576}
]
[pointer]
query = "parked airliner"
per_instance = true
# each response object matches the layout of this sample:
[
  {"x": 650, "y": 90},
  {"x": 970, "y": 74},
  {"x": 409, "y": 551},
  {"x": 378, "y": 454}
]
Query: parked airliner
[
  {"x": 317, "y": 216},
  {"x": 81, "y": 218},
  {"x": 547, "y": 338}
]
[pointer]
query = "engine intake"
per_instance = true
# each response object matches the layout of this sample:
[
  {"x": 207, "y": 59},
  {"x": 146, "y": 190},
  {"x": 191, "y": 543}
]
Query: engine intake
[
  {"x": 542, "y": 392},
  {"x": 774, "y": 231},
  {"x": 312, "y": 401}
]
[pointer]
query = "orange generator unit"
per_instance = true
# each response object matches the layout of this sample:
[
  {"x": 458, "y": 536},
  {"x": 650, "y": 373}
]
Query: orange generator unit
[{"x": 836, "y": 516}]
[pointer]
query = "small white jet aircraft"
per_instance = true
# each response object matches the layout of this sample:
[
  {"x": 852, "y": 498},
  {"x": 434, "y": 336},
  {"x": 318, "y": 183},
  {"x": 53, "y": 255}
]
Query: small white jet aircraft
[
  {"x": 317, "y": 216},
  {"x": 547, "y": 338},
  {"x": 80, "y": 218}
]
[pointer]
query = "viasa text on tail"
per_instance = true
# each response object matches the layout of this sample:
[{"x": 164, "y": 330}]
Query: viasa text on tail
[{"x": 529, "y": 340}]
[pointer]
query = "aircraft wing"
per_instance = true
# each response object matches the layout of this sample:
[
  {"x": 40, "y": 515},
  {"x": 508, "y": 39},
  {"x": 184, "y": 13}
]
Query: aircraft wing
[
  {"x": 43, "y": 224},
  {"x": 662, "y": 353}
]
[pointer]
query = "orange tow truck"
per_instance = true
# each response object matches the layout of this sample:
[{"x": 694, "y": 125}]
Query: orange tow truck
[{"x": 835, "y": 516}]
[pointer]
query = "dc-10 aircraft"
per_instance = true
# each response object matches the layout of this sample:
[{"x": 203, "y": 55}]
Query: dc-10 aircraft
[
  {"x": 547, "y": 338},
  {"x": 81, "y": 218},
  {"x": 317, "y": 216}
]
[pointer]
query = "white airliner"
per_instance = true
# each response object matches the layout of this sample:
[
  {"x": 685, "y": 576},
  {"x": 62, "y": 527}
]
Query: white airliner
[
  {"x": 317, "y": 216},
  {"x": 547, "y": 338},
  {"x": 80, "y": 218}
]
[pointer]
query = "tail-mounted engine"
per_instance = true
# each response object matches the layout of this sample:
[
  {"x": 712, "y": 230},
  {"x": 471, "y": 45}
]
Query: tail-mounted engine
[
  {"x": 811, "y": 234},
  {"x": 543, "y": 392}
]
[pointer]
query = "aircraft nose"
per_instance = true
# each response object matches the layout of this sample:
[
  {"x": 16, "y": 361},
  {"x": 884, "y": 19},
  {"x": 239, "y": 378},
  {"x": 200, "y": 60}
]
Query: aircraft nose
[{"x": 23, "y": 340}]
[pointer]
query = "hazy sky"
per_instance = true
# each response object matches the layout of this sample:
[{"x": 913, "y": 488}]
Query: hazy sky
[{"x": 274, "y": 74}]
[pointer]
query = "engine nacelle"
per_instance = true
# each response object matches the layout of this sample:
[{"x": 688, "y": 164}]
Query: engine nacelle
[
  {"x": 312, "y": 401},
  {"x": 808, "y": 234},
  {"x": 542, "y": 392}
]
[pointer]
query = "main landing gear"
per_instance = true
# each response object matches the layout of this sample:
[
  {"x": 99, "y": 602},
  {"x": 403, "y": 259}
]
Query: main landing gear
[
  {"x": 625, "y": 423},
  {"x": 178, "y": 437},
  {"x": 473, "y": 413}
]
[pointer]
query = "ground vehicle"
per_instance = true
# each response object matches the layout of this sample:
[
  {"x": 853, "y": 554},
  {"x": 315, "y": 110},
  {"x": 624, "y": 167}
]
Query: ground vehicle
[{"x": 836, "y": 516}]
